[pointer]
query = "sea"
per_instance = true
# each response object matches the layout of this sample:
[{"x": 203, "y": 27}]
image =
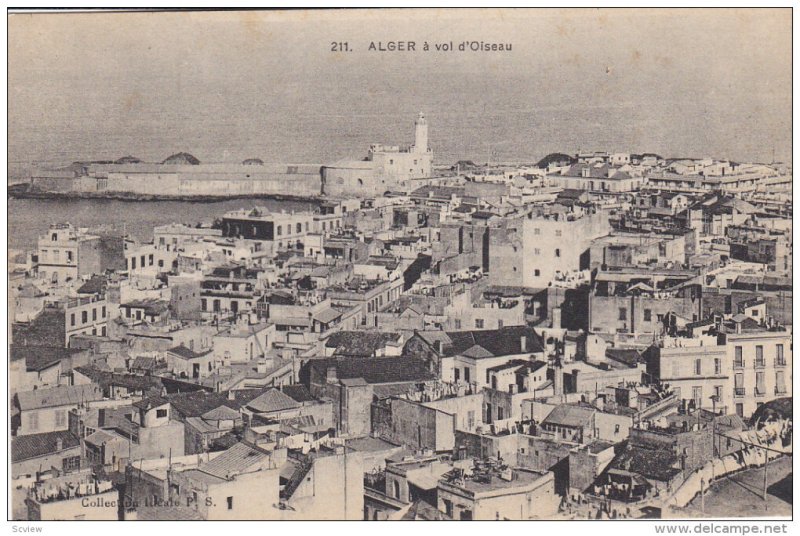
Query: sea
[{"x": 30, "y": 218}]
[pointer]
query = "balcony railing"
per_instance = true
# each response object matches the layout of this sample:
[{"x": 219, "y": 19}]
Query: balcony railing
[
  {"x": 780, "y": 361},
  {"x": 738, "y": 392},
  {"x": 759, "y": 363},
  {"x": 738, "y": 364}
]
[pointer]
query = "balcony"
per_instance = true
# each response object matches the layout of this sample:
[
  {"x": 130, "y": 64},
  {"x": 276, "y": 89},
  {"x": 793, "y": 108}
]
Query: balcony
[
  {"x": 759, "y": 363},
  {"x": 738, "y": 392},
  {"x": 780, "y": 362},
  {"x": 738, "y": 364}
]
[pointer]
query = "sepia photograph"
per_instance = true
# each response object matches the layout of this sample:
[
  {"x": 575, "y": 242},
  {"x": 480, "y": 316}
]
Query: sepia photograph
[{"x": 400, "y": 265}]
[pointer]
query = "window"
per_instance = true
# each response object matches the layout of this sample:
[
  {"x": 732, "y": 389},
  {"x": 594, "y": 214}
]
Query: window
[
  {"x": 761, "y": 390},
  {"x": 457, "y": 323},
  {"x": 738, "y": 361},
  {"x": 500, "y": 413},
  {"x": 299, "y": 227},
  {"x": 280, "y": 230},
  {"x": 780, "y": 383},
  {"x": 780, "y": 359},
  {"x": 648, "y": 315},
  {"x": 72, "y": 319},
  {"x": 161, "y": 413},
  {"x": 479, "y": 323},
  {"x": 759, "y": 356},
  {"x": 738, "y": 385},
  {"x": 84, "y": 317},
  {"x": 94, "y": 314},
  {"x": 133, "y": 263},
  {"x": 466, "y": 374},
  {"x": 103, "y": 312},
  {"x": 616, "y": 429},
  {"x": 33, "y": 421},
  {"x": 499, "y": 324},
  {"x": 697, "y": 396},
  {"x": 558, "y": 252},
  {"x": 558, "y": 232},
  {"x": 718, "y": 392},
  {"x": 537, "y": 251},
  {"x": 70, "y": 464},
  {"x": 623, "y": 313},
  {"x": 150, "y": 260},
  {"x": 698, "y": 367},
  {"x": 230, "y": 503},
  {"x": 717, "y": 366},
  {"x": 457, "y": 373},
  {"x": 448, "y": 507},
  {"x": 536, "y": 272},
  {"x": 61, "y": 418},
  {"x": 537, "y": 231}
]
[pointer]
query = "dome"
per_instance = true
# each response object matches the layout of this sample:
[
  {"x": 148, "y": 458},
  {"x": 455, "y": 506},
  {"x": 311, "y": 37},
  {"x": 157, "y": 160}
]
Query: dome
[
  {"x": 128, "y": 160},
  {"x": 182, "y": 159},
  {"x": 253, "y": 162}
]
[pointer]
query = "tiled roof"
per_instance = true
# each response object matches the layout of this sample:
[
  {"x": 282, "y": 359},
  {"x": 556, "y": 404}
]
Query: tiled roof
[
  {"x": 186, "y": 353},
  {"x": 38, "y": 358},
  {"x": 222, "y": 413},
  {"x": 628, "y": 356},
  {"x": 101, "y": 437},
  {"x": 359, "y": 343},
  {"x": 655, "y": 464},
  {"x": 572, "y": 416},
  {"x": 376, "y": 371},
  {"x": 105, "y": 379},
  {"x": 236, "y": 459},
  {"x": 150, "y": 403},
  {"x": 97, "y": 284},
  {"x": 47, "y": 329},
  {"x": 298, "y": 392},
  {"x": 199, "y": 402},
  {"x": 273, "y": 400},
  {"x": 496, "y": 342},
  {"x": 35, "y": 445},
  {"x": 63, "y": 395}
]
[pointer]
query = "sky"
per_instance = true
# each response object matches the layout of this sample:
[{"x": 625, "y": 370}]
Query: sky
[{"x": 231, "y": 85}]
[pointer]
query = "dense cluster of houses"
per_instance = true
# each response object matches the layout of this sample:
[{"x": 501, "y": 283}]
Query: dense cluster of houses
[{"x": 503, "y": 342}]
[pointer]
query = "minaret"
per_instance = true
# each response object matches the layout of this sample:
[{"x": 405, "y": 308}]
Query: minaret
[{"x": 421, "y": 134}]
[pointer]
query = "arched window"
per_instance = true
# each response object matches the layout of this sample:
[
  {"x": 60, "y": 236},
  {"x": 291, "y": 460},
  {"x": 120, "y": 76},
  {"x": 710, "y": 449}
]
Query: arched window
[{"x": 396, "y": 485}]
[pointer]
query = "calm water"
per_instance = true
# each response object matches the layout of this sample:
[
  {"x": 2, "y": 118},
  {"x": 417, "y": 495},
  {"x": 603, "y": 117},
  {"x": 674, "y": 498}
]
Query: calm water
[{"x": 29, "y": 218}]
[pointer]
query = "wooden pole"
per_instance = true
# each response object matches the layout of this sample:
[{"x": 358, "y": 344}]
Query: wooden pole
[
  {"x": 703, "y": 495},
  {"x": 766, "y": 460}
]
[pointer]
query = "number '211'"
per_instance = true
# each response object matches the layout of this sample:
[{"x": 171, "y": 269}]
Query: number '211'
[{"x": 341, "y": 46}]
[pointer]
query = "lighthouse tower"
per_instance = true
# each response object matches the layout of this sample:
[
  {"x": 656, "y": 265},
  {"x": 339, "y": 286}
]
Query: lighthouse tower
[{"x": 421, "y": 134}]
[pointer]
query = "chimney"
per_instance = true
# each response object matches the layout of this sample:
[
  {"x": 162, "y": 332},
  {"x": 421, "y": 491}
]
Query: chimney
[
  {"x": 556, "y": 317},
  {"x": 101, "y": 417}
]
